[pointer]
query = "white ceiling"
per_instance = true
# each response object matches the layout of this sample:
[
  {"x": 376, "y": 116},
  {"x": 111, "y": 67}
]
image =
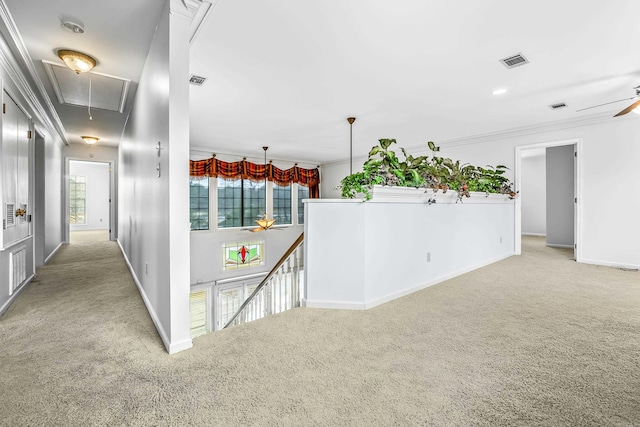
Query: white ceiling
[
  {"x": 118, "y": 34},
  {"x": 287, "y": 73}
]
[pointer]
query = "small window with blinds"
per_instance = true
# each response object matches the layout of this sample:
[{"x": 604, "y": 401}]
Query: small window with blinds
[{"x": 198, "y": 313}]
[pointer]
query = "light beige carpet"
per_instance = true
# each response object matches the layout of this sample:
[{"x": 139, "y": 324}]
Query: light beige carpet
[
  {"x": 83, "y": 236},
  {"x": 535, "y": 340}
]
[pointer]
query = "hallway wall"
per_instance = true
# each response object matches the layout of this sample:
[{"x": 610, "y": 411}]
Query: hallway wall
[{"x": 154, "y": 205}]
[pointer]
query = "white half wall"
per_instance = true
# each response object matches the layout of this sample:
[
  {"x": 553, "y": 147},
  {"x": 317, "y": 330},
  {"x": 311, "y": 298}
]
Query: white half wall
[
  {"x": 359, "y": 255},
  {"x": 97, "y": 185},
  {"x": 533, "y": 195},
  {"x": 560, "y": 196},
  {"x": 610, "y": 149}
]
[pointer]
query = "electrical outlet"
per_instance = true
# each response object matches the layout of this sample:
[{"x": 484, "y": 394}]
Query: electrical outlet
[
  {"x": 500, "y": 239},
  {"x": 146, "y": 268},
  {"x": 428, "y": 256}
]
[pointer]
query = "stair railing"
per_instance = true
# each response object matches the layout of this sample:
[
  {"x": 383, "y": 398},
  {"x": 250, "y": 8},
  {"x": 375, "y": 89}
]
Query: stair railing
[{"x": 278, "y": 291}]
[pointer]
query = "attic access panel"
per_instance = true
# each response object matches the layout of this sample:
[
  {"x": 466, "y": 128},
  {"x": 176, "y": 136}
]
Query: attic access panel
[{"x": 107, "y": 92}]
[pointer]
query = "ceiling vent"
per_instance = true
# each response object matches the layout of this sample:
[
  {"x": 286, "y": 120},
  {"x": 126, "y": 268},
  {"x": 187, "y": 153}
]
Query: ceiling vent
[
  {"x": 197, "y": 80},
  {"x": 558, "y": 105},
  {"x": 514, "y": 60}
]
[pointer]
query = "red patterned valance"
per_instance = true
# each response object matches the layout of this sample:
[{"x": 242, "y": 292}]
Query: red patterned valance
[{"x": 246, "y": 170}]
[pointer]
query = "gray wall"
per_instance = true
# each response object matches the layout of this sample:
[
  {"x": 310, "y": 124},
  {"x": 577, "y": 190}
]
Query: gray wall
[{"x": 560, "y": 196}]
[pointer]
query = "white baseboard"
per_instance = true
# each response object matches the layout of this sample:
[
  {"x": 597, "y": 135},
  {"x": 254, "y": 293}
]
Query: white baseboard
[
  {"x": 340, "y": 305},
  {"x": 168, "y": 345},
  {"x": 381, "y": 300},
  {"x": 611, "y": 264},
  {"x": 524, "y": 233},
  {"x": 15, "y": 294},
  {"x": 46, "y": 261},
  {"x": 554, "y": 245}
]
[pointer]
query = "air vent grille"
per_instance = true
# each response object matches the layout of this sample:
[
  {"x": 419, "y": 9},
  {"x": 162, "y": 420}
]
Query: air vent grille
[
  {"x": 514, "y": 60},
  {"x": 197, "y": 80},
  {"x": 558, "y": 105},
  {"x": 11, "y": 217}
]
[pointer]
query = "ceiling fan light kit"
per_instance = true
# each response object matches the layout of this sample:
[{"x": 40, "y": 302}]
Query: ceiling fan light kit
[{"x": 78, "y": 62}]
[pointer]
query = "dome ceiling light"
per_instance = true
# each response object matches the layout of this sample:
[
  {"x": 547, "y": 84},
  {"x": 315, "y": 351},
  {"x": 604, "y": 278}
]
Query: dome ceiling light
[
  {"x": 90, "y": 139},
  {"x": 78, "y": 62}
]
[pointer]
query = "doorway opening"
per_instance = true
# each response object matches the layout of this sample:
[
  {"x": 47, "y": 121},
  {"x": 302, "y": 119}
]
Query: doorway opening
[
  {"x": 88, "y": 203},
  {"x": 547, "y": 175}
]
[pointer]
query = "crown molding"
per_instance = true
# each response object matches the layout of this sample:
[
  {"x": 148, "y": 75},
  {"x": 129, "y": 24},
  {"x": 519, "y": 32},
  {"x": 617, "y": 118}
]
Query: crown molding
[
  {"x": 45, "y": 113},
  {"x": 195, "y": 11},
  {"x": 590, "y": 120}
]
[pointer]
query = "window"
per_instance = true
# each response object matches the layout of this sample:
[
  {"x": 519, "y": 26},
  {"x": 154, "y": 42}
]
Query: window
[
  {"x": 303, "y": 193},
  {"x": 199, "y": 203},
  {"x": 77, "y": 199},
  {"x": 282, "y": 203},
  {"x": 240, "y": 202},
  {"x": 242, "y": 254}
]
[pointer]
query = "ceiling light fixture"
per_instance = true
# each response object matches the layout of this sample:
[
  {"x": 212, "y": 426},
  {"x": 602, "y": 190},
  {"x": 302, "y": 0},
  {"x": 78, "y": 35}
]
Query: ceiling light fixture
[
  {"x": 265, "y": 222},
  {"x": 78, "y": 62},
  {"x": 499, "y": 91},
  {"x": 89, "y": 139}
]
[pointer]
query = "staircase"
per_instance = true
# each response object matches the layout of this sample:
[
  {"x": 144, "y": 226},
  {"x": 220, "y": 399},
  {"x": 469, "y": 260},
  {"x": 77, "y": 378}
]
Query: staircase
[{"x": 279, "y": 291}]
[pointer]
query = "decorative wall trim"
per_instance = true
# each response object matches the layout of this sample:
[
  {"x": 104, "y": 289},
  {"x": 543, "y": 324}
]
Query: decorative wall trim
[
  {"x": 195, "y": 11},
  {"x": 49, "y": 116},
  {"x": 15, "y": 295},
  {"x": 168, "y": 345}
]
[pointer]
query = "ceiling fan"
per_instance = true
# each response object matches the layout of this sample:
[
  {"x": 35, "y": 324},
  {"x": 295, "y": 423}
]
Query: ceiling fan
[
  {"x": 265, "y": 222},
  {"x": 635, "y": 107}
]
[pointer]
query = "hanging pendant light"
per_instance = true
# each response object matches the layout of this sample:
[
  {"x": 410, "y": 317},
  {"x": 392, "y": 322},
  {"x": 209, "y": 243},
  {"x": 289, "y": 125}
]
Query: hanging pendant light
[
  {"x": 265, "y": 222},
  {"x": 351, "y": 120}
]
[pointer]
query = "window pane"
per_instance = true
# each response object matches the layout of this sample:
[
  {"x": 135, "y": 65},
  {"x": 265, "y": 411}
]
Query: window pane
[
  {"x": 253, "y": 198},
  {"x": 228, "y": 204},
  {"x": 76, "y": 199},
  {"x": 282, "y": 203},
  {"x": 199, "y": 203},
  {"x": 303, "y": 193}
]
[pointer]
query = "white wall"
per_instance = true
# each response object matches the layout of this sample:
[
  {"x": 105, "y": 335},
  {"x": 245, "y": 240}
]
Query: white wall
[
  {"x": 53, "y": 214},
  {"x": 97, "y": 186},
  {"x": 533, "y": 195},
  {"x": 358, "y": 255},
  {"x": 154, "y": 210},
  {"x": 610, "y": 151},
  {"x": 560, "y": 196},
  {"x": 611, "y": 148}
]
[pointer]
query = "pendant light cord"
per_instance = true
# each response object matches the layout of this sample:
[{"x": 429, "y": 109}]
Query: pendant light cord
[{"x": 89, "y": 106}]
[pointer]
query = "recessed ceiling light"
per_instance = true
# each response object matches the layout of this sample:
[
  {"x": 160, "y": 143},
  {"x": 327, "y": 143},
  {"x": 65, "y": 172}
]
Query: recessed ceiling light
[{"x": 499, "y": 91}]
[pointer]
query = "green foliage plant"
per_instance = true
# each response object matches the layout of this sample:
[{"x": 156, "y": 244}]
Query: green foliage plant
[{"x": 383, "y": 167}]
